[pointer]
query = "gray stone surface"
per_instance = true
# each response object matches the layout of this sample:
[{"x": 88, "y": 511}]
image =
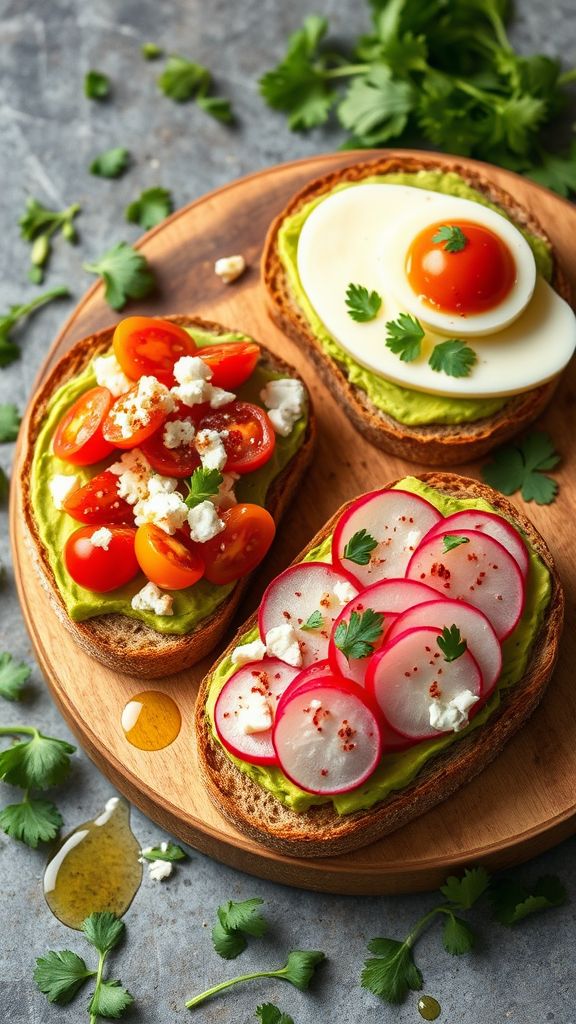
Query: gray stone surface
[{"x": 48, "y": 134}]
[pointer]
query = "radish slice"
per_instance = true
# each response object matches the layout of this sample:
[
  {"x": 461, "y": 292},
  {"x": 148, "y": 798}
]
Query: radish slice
[
  {"x": 397, "y": 520},
  {"x": 327, "y": 737},
  {"x": 298, "y": 593},
  {"x": 246, "y": 699},
  {"x": 479, "y": 571},
  {"x": 410, "y": 674},
  {"x": 390, "y": 597},
  {"x": 474, "y": 627},
  {"x": 490, "y": 523},
  {"x": 306, "y": 675}
]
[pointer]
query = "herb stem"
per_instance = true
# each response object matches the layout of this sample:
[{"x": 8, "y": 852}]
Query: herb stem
[
  {"x": 17, "y": 730},
  {"x": 233, "y": 981},
  {"x": 567, "y": 77},
  {"x": 99, "y": 972},
  {"x": 345, "y": 70},
  {"x": 61, "y": 291},
  {"x": 423, "y": 923}
]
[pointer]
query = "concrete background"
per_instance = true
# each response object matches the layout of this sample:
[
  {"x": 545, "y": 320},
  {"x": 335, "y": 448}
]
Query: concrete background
[{"x": 48, "y": 134}]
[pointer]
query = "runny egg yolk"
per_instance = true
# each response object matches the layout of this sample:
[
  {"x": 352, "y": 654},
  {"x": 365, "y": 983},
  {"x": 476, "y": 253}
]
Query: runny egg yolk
[{"x": 473, "y": 278}]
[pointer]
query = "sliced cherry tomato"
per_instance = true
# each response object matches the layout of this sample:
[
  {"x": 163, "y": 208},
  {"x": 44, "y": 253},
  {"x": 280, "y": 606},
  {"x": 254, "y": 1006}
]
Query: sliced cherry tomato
[
  {"x": 241, "y": 546},
  {"x": 146, "y": 346},
  {"x": 141, "y": 426},
  {"x": 181, "y": 461},
  {"x": 166, "y": 560},
  {"x": 98, "y": 502},
  {"x": 97, "y": 568},
  {"x": 78, "y": 438},
  {"x": 251, "y": 439},
  {"x": 231, "y": 363}
]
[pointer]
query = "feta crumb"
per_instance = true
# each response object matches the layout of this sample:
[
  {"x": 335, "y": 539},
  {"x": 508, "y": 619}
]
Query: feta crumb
[
  {"x": 225, "y": 498},
  {"x": 101, "y": 538},
  {"x": 255, "y": 714},
  {"x": 204, "y": 522},
  {"x": 208, "y": 444},
  {"x": 282, "y": 642},
  {"x": 315, "y": 704},
  {"x": 61, "y": 485},
  {"x": 158, "y": 484},
  {"x": 178, "y": 433},
  {"x": 189, "y": 368},
  {"x": 152, "y": 599},
  {"x": 136, "y": 411},
  {"x": 229, "y": 268},
  {"x": 284, "y": 400},
  {"x": 134, "y": 472},
  {"x": 166, "y": 510},
  {"x": 158, "y": 870},
  {"x": 245, "y": 653},
  {"x": 218, "y": 397},
  {"x": 193, "y": 392},
  {"x": 109, "y": 374},
  {"x": 452, "y": 716},
  {"x": 344, "y": 591}
]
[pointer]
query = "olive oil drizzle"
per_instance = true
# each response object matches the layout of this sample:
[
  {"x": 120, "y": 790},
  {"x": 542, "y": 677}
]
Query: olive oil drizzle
[{"x": 151, "y": 720}]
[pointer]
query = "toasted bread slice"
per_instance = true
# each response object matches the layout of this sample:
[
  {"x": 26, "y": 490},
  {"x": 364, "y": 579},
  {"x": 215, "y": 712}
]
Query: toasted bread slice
[
  {"x": 320, "y": 831},
  {"x": 123, "y": 643},
  {"x": 435, "y": 444}
]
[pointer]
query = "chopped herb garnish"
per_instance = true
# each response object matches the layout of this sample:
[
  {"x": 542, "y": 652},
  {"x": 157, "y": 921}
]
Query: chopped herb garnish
[
  {"x": 203, "y": 485},
  {"x": 13, "y": 677},
  {"x": 152, "y": 206},
  {"x": 453, "y": 357},
  {"x": 151, "y": 51},
  {"x": 519, "y": 467},
  {"x": 512, "y": 902},
  {"x": 184, "y": 80},
  {"x": 39, "y": 762},
  {"x": 111, "y": 163},
  {"x": 356, "y": 638},
  {"x": 453, "y": 237},
  {"x": 268, "y": 1013},
  {"x": 362, "y": 304},
  {"x": 235, "y": 922},
  {"x": 452, "y": 541},
  {"x": 359, "y": 547},
  {"x": 9, "y": 422},
  {"x": 314, "y": 621},
  {"x": 9, "y": 350},
  {"x": 96, "y": 85},
  {"x": 298, "y": 970},
  {"x": 38, "y": 225},
  {"x": 451, "y": 643},
  {"x": 173, "y": 852},
  {"x": 125, "y": 273},
  {"x": 404, "y": 337}
]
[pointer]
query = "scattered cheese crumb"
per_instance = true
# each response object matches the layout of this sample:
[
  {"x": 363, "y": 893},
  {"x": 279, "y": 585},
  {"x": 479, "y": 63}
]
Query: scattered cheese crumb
[
  {"x": 218, "y": 397},
  {"x": 178, "y": 433},
  {"x": 189, "y": 368},
  {"x": 133, "y": 472},
  {"x": 229, "y": 268},
  {"x": 225, "y": 498},
  {"x": 452, "y": 716},
  {"x": 245, "y": 653},
  {"x": 209, "y": 446},
  {"x": 344, "y": 591},
  {"x": 101, "y": 538},
  {"x": 204, "y": 522},
  {"x": 61, "y": 485},
  {"x": 284, "y": 400},
  {"x": 158, "y": 870},
  {"x": 152, "y": 599},
  {"x": 193, "y": 376},
  {"x": 282, "y": 642},
  {"x": 167, "y": 510},
  {"x": 158, "y": 484},
  {"x": 135, "y": 412},
  {"x": 109, "y": 374},
  {"x": 255, "y": 715}
]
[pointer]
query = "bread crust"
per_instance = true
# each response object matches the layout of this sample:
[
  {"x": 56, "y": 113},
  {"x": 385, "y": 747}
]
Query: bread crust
[
  {"x": 321, "y": 831},
  {"x": 118, "y": 641},
  {"x": 434, "y": 444}
]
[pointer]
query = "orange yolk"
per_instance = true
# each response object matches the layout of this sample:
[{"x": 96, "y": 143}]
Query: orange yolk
[{"x": 473, "y": 280}]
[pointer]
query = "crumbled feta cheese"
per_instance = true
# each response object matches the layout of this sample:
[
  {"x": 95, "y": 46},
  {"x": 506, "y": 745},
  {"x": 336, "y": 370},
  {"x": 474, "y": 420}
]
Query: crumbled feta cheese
[
  {"x": 315, "y": 704},
  {"x": 158, "y": 870},
  {"x": 158, "y": 484},
  {"x": 133, "y": 472},
  {"x": 226, "y": 497},
  {"x": 452, "y": 716},
  {"x": 344, "y": 591},
  {"x": 282, "y": 642},
  {"x": 150, "y": 395},
  {"x": 189, "y": 368},
  {"x": 218, "y": 397},
  {"x": 193, "y": 392},
  {"x": 193, "y": 376},
  {"x": 166, "y": 510},
  {"x": 152, "y": 599},
  {"x": 61, "y": 485},
  {"x": 204, "y": 522},
  {"x": 208, "y": 444},
  {"x": 245, "y": 653},
  {"x": 178, "y": 433},
  {"x": 255, "y": 714},
  {"x": 109, "y": 374},
  {"x": 284, "y": 400},
  {"x": 101, "y": 538},
  {"x": 229, "y": 268}
]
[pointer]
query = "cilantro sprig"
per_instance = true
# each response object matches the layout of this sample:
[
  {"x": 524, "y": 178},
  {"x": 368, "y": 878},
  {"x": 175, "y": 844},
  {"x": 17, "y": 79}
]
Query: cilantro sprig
[
  {"x": 152, "y": 206},
  {"x": 9, "y": 350},
  {"x": 36, "y": 763},
  {"x": 236, "y": 921},
  {"x": 184, "y": 80},
  {"x": 520, "y": 466},
  {"x": 13, "y": 677},
  {"x": 268, "y": 1013},
  {"x": 453, "y": 357},
  {"x": 314, "y": 621},
  {"x": 453, "y": 237},
  {"x": 512, "y": 901},
  {"x": 362, "y": 305},
  {"x": 359, "y": 547},
  {"x": 203, "y": 485},
  {"x": 451, "y": 643},
  {"x": 125, "y": 273},
  {"x": 38, "y": 225},
  {"x": 404, "y": 337},
  {"x": 111, "y": 163},
  {"x": 96, "y": 85},
  {"x": 356, "y": 638},
  {"x": 298, "y": 970},
  {"x": 452, "y": 540}
]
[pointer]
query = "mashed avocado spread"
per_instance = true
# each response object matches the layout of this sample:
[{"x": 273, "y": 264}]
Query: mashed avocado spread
[
  {"x": 413, "y": 408},
  {"x": 190, "y": 605},
  {"x": 398, "y": 770}
]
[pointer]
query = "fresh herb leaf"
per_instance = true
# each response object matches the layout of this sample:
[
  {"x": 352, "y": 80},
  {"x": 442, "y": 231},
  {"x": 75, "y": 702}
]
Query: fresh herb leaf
[
  {"x": 59, "y": 975},
  {"x": 357, "y": 637},
  {"x": 13, "y": 677},
  {"x": 556, "y": 172},
  {"x": 9, "y": 422},
  {"x": 96, "y": 85},
  {"x": 268, "y": 1013},
  {"x": 465, "y": 891},
  {"x": 38, "y": 225},
  {"x": 299, "y": 85},
  {"x": 452, "y": 541},
  {"x": 453, "y": 237},
  {"x": 299, "y": 970},
  {"x": 152, "y": 206},
  {"x": 228, "y": 944},
  {"x": 111, "y": 163},
  {"x": 377, "y": 106},
  {"x": 235, "y": 921},
  {"x": 4, "y": 487},
  {"x": 362, "y": 304},
  {"x": 110, "y": 1000},
  {"x": 217, "y": 107},
  {"x": 103, "y": 930},
  {"x": 314, "y": 621},
  {"x": 392, "y": 973},
  {"x": 519, "y": 467},
  {"x": 125, "y": 273},
  {"x": 404, "y": 337},
  {"x": 512, "y": 902},
  {"x": 33, "y": 821},
  {"x": 457, "y": 935},
  {"x": 9, "y": 350},
  {"x": 451, "y": 643},
  {"x": 203, "y": 485},
  {"x": 37, "y": 763},
  {"x": 151, "y": 51},
  {"x": 172, "y": 852},
  {"x": 453, "y": 357},
  {"x": 359, "y": 547},
  {"x": 182, "y": 79}
]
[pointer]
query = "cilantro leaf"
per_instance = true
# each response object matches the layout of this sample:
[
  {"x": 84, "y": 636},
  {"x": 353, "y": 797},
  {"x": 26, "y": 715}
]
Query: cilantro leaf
[
  {"x": 464, "y": 892},
  {"x": 298, "y": 85},
  {"x": 314, "y": 621},
  {"x": 217, "y": 106},
  {"x": 182, "y": 79},
  {"x": 556, "y": 172},
  {"x": 38, "y": 225},
  {"x": 453, "y": 357},
  {"x": 33, "y": 821},
  {"x": 103, "y": 930},
  {"x": 152, "y": 206},
  {"x": 13, "y": 677},
  {"x": 356, "y": 638},
  {"x": 37, "y": 763},
  {"x": 96, "y": 85},
  {"x": 453, "y": 237},
  {"x": 110, "y": 1000},
  {"x": 59, "y": 975},
  {"x": 125, "y": 273},
  {"x": 151, "y": 51},
  {"x": 359, "y": 547},
  {"x": 172, "y": 852},
  {"x": 9, "y": 351},
  {"x": 298, "y": 970},
  {"x": 512, "y": 902},
  {"x": 111, "y": 163},
  {"x": 451, "y": 643},
  {"x": 404, "y": 337},
  {"x": 392, "y": 973},
  {"x": 9, "y": 422},
  {"x": 203, "y": 484},
  {"x": 362, "y": 304},
  {"x": 377, "y": 106},
  {"x": 519, "y": 466},
  {"x": 228, "y": 944},
  {"x": 235, "y": 921},
  {"x": 268, "y": 1013},
  {"x": 457, "y": 936},
  {"x": 452, "y": 541}
]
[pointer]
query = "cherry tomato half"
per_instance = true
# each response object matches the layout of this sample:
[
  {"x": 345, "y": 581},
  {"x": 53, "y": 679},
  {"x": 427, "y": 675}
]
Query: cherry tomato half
[
  {"x": 251, "y": 439},
  {"x": 97, "y": 568},
  {"x": 241, "y": 546},
  {"x": 231, "y": 363},
  {"x": 144, "y": 345},
  {"x": 181, "y": 461},
  {"x": 78, "y": 438},
  {"x": 141, "y": 426},
  {"x": 166, "y": 560},
  {"x": 98, "y": 502}
]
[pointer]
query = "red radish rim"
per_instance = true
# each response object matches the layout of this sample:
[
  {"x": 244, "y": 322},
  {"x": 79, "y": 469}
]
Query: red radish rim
[
  {"x": 435, "y": 530},
  {"x": 256, "y": 759},
  {"x": 287, "y": 572}
]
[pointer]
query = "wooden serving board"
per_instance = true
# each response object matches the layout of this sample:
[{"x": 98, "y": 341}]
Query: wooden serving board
[{"x": 521, "y": 804}]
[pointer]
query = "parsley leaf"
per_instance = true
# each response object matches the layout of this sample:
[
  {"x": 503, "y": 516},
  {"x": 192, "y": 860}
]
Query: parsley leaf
[
  {"x": 314, "y": 621},
  {"x": 512, "y": 902},
  {"x": 9, "y": 350},
  {"x": 33, "y": 821},
  {"x": 452, "y": 541},
  {"x": 110, "y": 1000},
  {"x": 519, "y": 467},
  {"x": 453, "y": 237},
  {"x": 464, "y": 892},
  {"x": 172, "y": 852},
  {"x": 453, "y": 357},
  {"x": 9, "y": 422},
  {"x": 451, "y": 643},
  {"x": 268, "y": 1013},
  {"x": 151, "y": 51},
  {"x": 357, "y": 637},
  {"x": 152, "y": 206},
  {"x": 111, "y": 163},
  {"x": 235, "y": 921},
  {"x": 298, "y": 85},
  {"x": 103, "y": 930},
  {"x": 59, "y": 975},
  {"x": 37, "y": 763},
  {"x": 359, "y": 547},
  {"x": 13, "y": 677},
  {"x": 125, "y": 273},
  {"x": 362, "y": 304},
  {"x": 377, "y": 106},
  {"x": 217, "y": 106},
  {"x": 557, "y": 172},
  {"x": 299, "y": 970},
  {"x": 404, "y": 337},
  {"x": 203, "y": 484},
  {"x": 182, "y": 79},
  {"x": 457, "y": 935},
  {"x": 96, "y": 85},
  {"x": 392, "y": 973}
]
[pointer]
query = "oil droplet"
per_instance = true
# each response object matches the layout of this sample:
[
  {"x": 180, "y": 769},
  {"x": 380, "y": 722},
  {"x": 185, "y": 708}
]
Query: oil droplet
[
  {"x": 429, "y": 1008},
  {"x": 95, "y": 867},
  {"x": 151, "y": 720}
]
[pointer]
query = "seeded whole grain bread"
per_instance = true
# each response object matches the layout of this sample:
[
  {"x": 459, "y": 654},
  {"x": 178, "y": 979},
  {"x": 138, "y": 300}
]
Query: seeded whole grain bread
[
  {"x": 118, "y": 641},
  {"x": 434, "y": 444},
  {"x": 320, "y": 831}
]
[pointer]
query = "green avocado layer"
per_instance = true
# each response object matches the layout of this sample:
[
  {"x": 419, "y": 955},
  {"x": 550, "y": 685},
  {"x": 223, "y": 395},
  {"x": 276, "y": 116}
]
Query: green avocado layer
[
  {"x": 412, "y": 408},
  {"x": 398, "y": 770},
  {"x": 190, "y": 605}
]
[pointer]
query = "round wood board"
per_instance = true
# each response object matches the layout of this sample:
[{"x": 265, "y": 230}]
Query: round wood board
[{"x": 521, "y": 804}]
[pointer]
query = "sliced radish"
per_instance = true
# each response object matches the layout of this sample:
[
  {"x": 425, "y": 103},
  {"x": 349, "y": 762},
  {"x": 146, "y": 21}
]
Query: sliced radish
[
  {"x": 390, "y": 597},
  {"x": 410, "y": 673},
  {"x": 243, "y": 700},
  {"x": 479, "y": 571},
  {"x": 317, "y": 670},
  {"x": 487, "y": 522},
  {"x": 474, "y": 627},
  {"x": 396, "y": 520},
  {"x": 327, "y": 737},
  {"x": 298, "y": 593}
]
